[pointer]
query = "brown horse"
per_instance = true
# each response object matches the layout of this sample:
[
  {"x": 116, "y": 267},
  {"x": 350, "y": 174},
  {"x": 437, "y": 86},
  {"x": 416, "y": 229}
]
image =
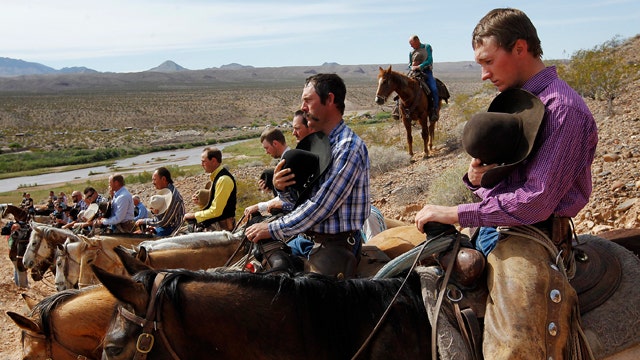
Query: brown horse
[
  {"x": 18, "y": 213},
  {"x": 67, "y": 325},
  {"x": 240, "y": 315},
  {"x": 414, "y": 104}
]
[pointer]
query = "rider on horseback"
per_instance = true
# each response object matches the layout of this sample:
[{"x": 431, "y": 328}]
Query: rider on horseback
[{"x": 421, "y": 65}]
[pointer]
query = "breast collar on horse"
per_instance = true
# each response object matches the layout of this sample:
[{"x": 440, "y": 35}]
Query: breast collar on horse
[
  {"x": 414, "y": 103},
  {"x": 151, "y": 322}
]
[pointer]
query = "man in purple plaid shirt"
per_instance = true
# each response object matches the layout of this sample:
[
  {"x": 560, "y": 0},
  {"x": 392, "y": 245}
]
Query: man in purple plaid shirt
[{"x": 544, "y": 190}]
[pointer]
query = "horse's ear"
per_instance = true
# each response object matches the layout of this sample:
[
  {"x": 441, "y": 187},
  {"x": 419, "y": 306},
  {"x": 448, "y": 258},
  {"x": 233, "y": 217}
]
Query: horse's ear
[
  {"x": 389, "y": 69},
  {"x": 123, "y": 288},
  {"x": 35, "y": 226},
  {"x": 131, "y": 264},
  {"x": 31, "y": 301},
  {"x": 24, "y": 322}
]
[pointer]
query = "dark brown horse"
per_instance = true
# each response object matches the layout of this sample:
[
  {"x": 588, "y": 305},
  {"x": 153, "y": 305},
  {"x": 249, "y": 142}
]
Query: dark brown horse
[
  {"x": 18, "y": 213},
  {"x": 414, "y": 104},
  {"x": 240, "y": 315}
]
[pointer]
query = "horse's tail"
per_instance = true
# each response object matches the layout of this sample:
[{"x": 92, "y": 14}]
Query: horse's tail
[{"x": 443, "y": 92}]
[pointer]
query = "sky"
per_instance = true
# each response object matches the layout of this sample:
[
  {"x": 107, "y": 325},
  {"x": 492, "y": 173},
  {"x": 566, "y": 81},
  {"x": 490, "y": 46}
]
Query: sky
[{"x": 137, "y": 35}]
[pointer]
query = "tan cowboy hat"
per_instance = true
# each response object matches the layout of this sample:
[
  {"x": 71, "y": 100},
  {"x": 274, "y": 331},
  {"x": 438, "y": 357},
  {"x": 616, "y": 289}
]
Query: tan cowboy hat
[
  {"x": 505, "y": 134},
  {"x": 204, "y": 196},
  {"x": 90, "y": 212},
  {"x": 308, "y": 161},
  {"x": 161, "y": 200}
]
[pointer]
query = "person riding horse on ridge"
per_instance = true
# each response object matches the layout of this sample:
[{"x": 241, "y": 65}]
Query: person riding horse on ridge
[{"x": 421, "y": 60}]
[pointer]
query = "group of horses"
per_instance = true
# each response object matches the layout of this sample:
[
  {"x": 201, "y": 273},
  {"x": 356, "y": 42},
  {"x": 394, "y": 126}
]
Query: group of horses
[{"x": 153, "y": 298}]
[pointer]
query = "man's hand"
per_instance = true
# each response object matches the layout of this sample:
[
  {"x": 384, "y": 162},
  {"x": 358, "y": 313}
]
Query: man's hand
[
  {"x": 415, "y": 68},
  {"x": 189, "y": 216},
  {"x": 282, "y": 177},
  {"x": 441, "y": 214},
  {"x": 257, "y": 232},
  {"x": 477, "y": 170},
  {"x": 250, "y": 210}
]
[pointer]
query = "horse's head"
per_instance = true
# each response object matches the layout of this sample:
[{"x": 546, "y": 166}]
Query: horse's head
[
  {"x": 385, "y": 85},
  {"x": 35, "y": 344},
  {"x": 123, "y": 337},
  {"x": 38, "y": 249},
  {"x": 61, "y": 269}
]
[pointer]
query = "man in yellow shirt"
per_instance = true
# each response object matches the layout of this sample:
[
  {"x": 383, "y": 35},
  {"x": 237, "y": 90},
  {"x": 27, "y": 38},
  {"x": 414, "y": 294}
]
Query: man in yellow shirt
[{"x": 219, "y": 211}]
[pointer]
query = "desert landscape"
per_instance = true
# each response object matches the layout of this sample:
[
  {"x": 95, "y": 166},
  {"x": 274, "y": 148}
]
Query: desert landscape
[{"x": 53, "y": 112}]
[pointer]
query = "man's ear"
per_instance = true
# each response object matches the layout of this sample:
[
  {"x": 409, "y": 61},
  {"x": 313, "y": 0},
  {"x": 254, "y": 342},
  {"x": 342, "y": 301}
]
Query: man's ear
[{"x": 521, "y": 47}]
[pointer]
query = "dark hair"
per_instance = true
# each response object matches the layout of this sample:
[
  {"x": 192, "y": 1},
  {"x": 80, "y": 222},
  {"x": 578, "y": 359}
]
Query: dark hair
[
  {"x": 164, "y": 172},
  {"x": 88, "y": 189},
  {"x": 325, "y": 84},
  {"x": 302, "y": 115},
  {"x": 213, "y": 152},
  {"x": 507, "y": 26},
  {"x": 272, "y": 135},
  {"x": 118, "y": 178}
]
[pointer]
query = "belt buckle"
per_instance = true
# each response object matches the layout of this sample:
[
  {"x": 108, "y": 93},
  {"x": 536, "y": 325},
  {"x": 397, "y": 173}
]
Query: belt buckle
[{"x": 351, "y": 240}]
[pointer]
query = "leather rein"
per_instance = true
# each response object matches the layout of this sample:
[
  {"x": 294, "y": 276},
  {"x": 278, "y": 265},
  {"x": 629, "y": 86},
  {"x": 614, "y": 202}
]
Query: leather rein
[{"x": 150, "y": 323}]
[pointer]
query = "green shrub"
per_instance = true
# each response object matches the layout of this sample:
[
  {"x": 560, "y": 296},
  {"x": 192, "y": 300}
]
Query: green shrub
[
  {"x": 448, "y": 188},
  {"x": 385, "y": 159}
]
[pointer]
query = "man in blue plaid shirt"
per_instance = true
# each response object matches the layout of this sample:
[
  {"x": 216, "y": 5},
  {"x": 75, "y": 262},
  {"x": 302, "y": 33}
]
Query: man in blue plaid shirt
[{"x": 339, "y": 201}]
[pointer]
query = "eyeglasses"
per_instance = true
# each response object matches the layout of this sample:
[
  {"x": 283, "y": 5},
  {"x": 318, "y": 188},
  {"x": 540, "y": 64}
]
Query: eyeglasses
[{"x": 87, "y": 196}]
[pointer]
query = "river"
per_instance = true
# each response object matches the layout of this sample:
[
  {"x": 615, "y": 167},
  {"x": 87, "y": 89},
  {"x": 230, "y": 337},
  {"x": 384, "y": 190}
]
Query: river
[{"x": 140, "y": 163}]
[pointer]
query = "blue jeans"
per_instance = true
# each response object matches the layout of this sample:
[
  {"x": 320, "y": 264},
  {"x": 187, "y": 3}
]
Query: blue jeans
[
  {"x": 431, "y": 83},
  {"x": 487, "y": 240},
  {"x": 300, "y": 246},
  {"x": 164, "y": 231}
]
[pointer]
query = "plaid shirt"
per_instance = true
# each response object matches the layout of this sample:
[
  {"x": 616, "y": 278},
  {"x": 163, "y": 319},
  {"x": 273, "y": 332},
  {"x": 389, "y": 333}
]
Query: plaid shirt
[
  {"x": 339, "y": 201},
  {"x": 556, "y": 177}
]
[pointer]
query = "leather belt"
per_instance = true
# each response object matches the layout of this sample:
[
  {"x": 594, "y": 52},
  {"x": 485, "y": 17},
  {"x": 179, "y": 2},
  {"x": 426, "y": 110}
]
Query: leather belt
[{"x": 348, "y": 236}]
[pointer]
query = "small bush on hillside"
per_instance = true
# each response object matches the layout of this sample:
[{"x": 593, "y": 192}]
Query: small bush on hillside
[
  {"x": 385, "y": 159},
  {"x": 448, "y": 188}
]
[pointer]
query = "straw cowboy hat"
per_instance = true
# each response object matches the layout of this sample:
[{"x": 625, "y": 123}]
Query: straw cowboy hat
[
  {"x": 90, "y": 212},
  {"x": 505, "y": 134},
  {"x": 161, "y": 201},
  {"x": 204, "y": 195},
  {"x": 308, "y": 161}
]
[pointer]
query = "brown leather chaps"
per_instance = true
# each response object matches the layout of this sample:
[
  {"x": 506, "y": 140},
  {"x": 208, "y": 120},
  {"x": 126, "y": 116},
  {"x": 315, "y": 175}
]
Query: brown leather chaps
[{"x": 529, "y": 308}]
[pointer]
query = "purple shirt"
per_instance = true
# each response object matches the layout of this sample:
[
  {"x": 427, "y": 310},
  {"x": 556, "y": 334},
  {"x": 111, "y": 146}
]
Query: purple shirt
[{"x": 556, "y": 177}]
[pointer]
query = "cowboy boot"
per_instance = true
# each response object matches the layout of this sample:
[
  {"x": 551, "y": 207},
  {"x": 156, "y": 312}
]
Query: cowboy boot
[
  {"x": 276, "y": 255},
  {"x": 395, "y": 113}
]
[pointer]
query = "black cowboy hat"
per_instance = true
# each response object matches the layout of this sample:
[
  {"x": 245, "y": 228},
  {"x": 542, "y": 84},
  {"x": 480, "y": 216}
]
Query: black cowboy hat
[
  {"x": 505, "y": 134},
  {"x": 267, "y": 176},
  {"x": 308, "y": 161}
]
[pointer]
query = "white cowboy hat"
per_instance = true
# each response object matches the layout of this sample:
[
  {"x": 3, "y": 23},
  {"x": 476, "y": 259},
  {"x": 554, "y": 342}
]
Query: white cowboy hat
[
  {"x": 161, "y": 201},
  {"x": 90, "y": 212}
]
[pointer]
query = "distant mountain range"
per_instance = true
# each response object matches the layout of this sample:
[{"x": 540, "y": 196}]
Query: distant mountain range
[
  {"x": 16, "y": 67},
  {"x": 31, "y": 77}
]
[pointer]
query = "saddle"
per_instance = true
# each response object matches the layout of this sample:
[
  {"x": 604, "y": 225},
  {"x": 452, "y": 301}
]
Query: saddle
[{"x": 597, "y": 277}]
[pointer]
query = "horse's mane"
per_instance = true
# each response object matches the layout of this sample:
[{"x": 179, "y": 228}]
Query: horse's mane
[
  {"x": 46, "y": 306},
  {"x": 311, "y": 289}
]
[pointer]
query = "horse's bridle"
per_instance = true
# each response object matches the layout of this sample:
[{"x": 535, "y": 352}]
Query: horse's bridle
[{"x": 151, "y": 322}]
